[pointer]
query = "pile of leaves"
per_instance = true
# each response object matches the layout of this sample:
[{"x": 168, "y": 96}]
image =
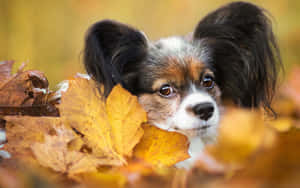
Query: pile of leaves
[{"x": 75, "y": 138}]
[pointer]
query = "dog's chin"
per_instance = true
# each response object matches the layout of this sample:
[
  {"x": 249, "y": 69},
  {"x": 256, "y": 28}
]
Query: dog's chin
[{"x": 203, "y": 131}]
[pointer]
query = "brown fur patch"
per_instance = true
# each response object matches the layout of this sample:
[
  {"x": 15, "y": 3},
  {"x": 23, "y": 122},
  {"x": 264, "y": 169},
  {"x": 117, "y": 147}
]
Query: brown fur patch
[
  {"x": 179, "y": 72},
  {"x": 175, "y": 71},
  {"x": 159, "y": 109},
  {"x": 195, "y": 68},
  {"x": 188, "y": 69}
]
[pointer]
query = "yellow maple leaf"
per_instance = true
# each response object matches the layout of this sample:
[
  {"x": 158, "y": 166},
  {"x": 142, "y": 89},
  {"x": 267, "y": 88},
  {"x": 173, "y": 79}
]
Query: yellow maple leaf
[
  {"x": 83, "y": 109},
  {"x": 161, "y": 147},
  {"x": 125, "y": 116},
  {"x": 110, "y": 129}
]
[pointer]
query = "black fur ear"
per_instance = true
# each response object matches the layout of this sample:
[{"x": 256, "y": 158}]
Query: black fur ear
[
  {"x": 245, "y": 54},
  {"x": 112, "y": 50}
]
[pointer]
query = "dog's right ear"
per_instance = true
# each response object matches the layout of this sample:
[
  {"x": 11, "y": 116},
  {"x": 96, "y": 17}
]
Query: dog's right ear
[{"x": 112, "y": 51}]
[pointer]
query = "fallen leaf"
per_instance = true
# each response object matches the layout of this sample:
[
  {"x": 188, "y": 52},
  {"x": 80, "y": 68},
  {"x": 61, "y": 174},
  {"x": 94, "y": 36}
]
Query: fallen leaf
[
  {"x": 24, "y": 93},
  {"x": 83, "y": 109},
  {"x": 125, "y": 116},
  {"x": 54, "y": 153},
  {"x": 23, "y": 131},
  {"x": 20, "y": 90},
  {"x": 160, "y": 147},
  {"x": 45, "y": 141},
  {"x": 110, "y": 129}
]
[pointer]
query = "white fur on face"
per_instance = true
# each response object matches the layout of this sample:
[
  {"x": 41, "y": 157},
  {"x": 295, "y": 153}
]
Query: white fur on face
[
  {"x": 180, "y": 48},
  {"x": 195, "y": 150},
  {"x": 185, "y": 122},
  {"x": 172, "y": 44}
]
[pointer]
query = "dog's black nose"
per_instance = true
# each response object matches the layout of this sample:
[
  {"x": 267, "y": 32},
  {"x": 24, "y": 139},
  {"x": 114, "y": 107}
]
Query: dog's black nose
[{"x": 203, "y": 110}]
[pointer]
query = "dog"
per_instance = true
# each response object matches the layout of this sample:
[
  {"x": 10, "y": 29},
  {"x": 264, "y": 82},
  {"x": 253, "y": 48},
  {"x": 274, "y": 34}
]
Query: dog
[{"x": 182, "y": 81}]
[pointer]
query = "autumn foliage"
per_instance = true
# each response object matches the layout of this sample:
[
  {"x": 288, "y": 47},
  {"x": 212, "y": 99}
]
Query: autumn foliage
[{"x": 75, "y": 138}]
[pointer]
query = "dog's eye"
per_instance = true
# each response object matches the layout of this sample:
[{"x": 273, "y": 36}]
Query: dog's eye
[
  {"x": 166, "y": 91},
  {"x": 208, "y": 82}
]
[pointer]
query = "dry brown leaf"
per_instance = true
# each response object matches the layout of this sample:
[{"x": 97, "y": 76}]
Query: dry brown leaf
[
  {"x": 23, "y": 131},
  {"x": 160, "y": 147},
  {"x": 110, "y": 130},
  {"x": 54, "y": 153},
  {"x": 45, "y": 141},
  {"x": 24, "y": 93},
  {"x": 19, "y": 90}
]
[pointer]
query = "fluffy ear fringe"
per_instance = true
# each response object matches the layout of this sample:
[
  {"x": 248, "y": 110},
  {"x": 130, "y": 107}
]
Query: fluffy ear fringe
[
  {"x": 109, "y": 46},
  {"x": 248, "y": 58}
]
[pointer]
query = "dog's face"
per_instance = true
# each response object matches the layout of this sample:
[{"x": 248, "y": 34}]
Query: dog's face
[
  {"x": 179, "y": 88},
  {"x": 181, "y": 81}
]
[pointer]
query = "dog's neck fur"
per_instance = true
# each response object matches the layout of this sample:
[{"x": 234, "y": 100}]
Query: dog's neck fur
[{"x": 195, "y": 149}]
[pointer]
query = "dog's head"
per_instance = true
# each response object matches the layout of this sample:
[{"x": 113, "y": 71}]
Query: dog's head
[{"x": 181, "y": 81}]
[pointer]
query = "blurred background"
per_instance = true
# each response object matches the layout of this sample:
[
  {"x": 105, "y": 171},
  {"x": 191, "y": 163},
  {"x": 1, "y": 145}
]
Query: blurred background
[{"x": 48, "y": 35}]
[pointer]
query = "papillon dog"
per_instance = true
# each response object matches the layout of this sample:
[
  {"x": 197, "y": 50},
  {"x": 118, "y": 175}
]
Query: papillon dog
[{"x": 181, "y": 81}]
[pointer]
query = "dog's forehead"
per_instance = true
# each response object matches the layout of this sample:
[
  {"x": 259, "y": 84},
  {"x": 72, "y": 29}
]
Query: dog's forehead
[
  {"x": 181, "y": 47},
  {"x": 173, "y": 46},
  {"x": 181, "y": 73},
  {"x": 177, "y": 61},
  {"x": 184, "y": 68}
]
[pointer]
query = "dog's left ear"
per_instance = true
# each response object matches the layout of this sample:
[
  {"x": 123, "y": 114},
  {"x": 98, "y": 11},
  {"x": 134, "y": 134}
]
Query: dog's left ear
[{"x": 244, "y": 52}]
